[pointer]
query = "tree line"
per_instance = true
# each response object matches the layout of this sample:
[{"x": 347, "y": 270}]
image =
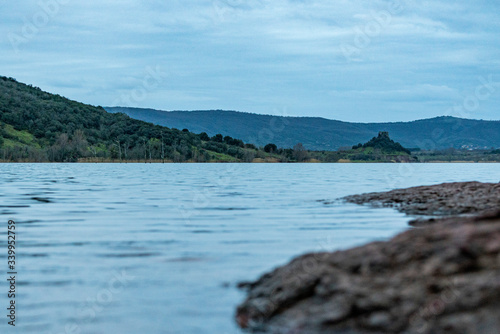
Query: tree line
[{"x": 39, "y": 126}]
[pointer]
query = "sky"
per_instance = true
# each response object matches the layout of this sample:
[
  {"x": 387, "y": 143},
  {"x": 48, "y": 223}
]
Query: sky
[{"x": 360, "y": 61}]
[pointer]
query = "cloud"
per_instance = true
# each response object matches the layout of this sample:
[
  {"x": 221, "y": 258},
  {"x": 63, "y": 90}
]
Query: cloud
[
  {"x": 408, "y": 93},
  {"x": 260, "y": 55}
]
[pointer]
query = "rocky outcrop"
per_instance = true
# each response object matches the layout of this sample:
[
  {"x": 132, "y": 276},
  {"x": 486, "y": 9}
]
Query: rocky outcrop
[
  {"x": 444, "y": 278},
  {"x": 438, "y": 200}
]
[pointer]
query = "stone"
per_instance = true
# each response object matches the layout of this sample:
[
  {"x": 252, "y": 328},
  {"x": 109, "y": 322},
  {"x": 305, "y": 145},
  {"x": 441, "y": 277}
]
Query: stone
[{"x": 441, "y": 278}]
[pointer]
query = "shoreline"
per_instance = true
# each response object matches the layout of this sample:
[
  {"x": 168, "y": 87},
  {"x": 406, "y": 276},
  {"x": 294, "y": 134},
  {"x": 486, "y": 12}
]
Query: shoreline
[
  {"x": 442, "y": 200},
  {"x": 442, "y": 277},
  {"x": 242, "y": 162}
]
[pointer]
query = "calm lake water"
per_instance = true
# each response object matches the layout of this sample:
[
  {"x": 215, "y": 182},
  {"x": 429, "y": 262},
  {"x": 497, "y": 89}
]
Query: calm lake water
[{"x": 152, "y": 248}]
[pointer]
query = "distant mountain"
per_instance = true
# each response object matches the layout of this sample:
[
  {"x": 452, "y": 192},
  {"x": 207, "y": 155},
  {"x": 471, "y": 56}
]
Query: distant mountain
[{"x": 324, "y": 134}]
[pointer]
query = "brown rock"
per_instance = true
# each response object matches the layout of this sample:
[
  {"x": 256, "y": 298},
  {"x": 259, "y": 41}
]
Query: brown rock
[
  {"x": 444, "y": 278},
  {"x": 438, "y": 200}
]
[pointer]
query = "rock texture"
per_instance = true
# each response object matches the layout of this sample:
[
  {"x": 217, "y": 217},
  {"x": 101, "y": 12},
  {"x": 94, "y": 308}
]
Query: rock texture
[
  {"x": 437, "y": 200},
  {"x": 444, "y": 278}
]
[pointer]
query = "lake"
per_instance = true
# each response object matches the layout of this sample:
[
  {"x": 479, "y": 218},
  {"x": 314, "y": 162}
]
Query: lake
[{"x": 159, "y": 248}]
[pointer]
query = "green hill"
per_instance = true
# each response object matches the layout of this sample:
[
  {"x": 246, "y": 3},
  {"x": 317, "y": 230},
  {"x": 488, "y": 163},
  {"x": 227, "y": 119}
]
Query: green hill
[
  {"x": 324, "y": 134},
  {"x": 383, "y": 144},
  {"x": 379, "y": 149},
  {"x": 39, "y": 126}
]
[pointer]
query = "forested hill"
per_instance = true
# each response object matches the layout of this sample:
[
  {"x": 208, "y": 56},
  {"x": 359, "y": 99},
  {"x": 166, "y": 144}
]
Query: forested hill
[
  {"x": 39, "y": 126},
  {"x": 324, "y": 134}
]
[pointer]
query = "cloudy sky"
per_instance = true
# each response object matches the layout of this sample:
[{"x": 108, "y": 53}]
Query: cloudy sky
[{"x": 364, "y": 60}]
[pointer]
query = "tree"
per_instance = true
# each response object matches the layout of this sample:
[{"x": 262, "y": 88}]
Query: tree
[
  {"x": 248, "y": 156},
  {"x": 162, "y": 149},
  {"x": 270, "y": 148},
  {"x": 299, "y": 152},
  {"x": 203, "y": 136},
  {"x": 114, "y": 151},
  {"x": 60, "y": 150},
  {"x": 79, "y": 143},
  {"x": 218, "y": 138}
]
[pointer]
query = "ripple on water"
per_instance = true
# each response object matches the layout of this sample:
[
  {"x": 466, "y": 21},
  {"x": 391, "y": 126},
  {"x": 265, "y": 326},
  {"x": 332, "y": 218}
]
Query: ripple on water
[
  {"x": 81, "y": 212},
  {"x": 220, "y": 208},
  {"x": 202, "y": 232},
  {"x": 36, "y": 255},
  {"x": 246, "y": 242},
  {"x": 231, "y": 194},
  {"x": 54, "y": 244},
  {"x": 67, "y": 220},
  {"x": 129, "y": 255},
  {"x": 7, "y": 212},
  {"x": 37, "y": 327},
  {"x": 23, "y": 222},
  {"x": 47, "y": 283},
  {"x": 186, "y": 260},
  {"x": 42, "y": 199}
]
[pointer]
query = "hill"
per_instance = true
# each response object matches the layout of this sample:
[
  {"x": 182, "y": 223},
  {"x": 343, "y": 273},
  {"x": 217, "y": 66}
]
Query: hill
[
  {"x": 384, "y": 144},
  {"x": 380, "y": 148},
  {"x": 39, "y": 126},
  {"x": 324, "y": 134}
]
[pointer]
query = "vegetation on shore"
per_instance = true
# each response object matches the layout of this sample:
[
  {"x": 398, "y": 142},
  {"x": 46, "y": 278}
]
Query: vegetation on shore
[
  {"x": 36, "y": 126},
  {"x": 454, "y": 155}
]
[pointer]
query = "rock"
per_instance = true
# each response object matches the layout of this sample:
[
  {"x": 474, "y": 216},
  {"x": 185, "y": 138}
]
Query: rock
[
  {"x": 437, "y": 200},
  {"x": 443, "y": 278}
]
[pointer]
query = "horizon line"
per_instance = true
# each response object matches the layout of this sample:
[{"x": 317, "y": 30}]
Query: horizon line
[{"x": 291, "y": 116}]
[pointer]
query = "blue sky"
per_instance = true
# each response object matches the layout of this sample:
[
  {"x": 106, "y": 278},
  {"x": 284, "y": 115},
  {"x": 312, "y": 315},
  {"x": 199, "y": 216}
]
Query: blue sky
[{"x": 349, "y": 60}]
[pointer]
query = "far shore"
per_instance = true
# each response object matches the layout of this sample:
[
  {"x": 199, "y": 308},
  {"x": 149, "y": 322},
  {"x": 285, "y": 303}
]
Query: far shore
[{"x": 255, "y": 161}]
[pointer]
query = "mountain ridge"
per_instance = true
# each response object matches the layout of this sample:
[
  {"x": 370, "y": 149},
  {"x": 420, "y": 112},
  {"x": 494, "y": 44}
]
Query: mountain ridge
[
  {"x": 318, "y": 133},
  {"x": 295, "y": 116}
]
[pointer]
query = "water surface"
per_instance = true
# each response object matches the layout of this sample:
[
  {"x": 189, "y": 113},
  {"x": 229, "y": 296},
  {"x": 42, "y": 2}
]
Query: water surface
[{"x": 153, "y": 248}]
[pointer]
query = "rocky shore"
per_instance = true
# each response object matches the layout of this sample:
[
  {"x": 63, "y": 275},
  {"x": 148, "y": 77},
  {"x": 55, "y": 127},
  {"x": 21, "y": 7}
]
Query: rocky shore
[
  {"x": 445, "y": 199},
  {"x": 436, "y": 201},
  {"x": 443, "y": 278}
]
